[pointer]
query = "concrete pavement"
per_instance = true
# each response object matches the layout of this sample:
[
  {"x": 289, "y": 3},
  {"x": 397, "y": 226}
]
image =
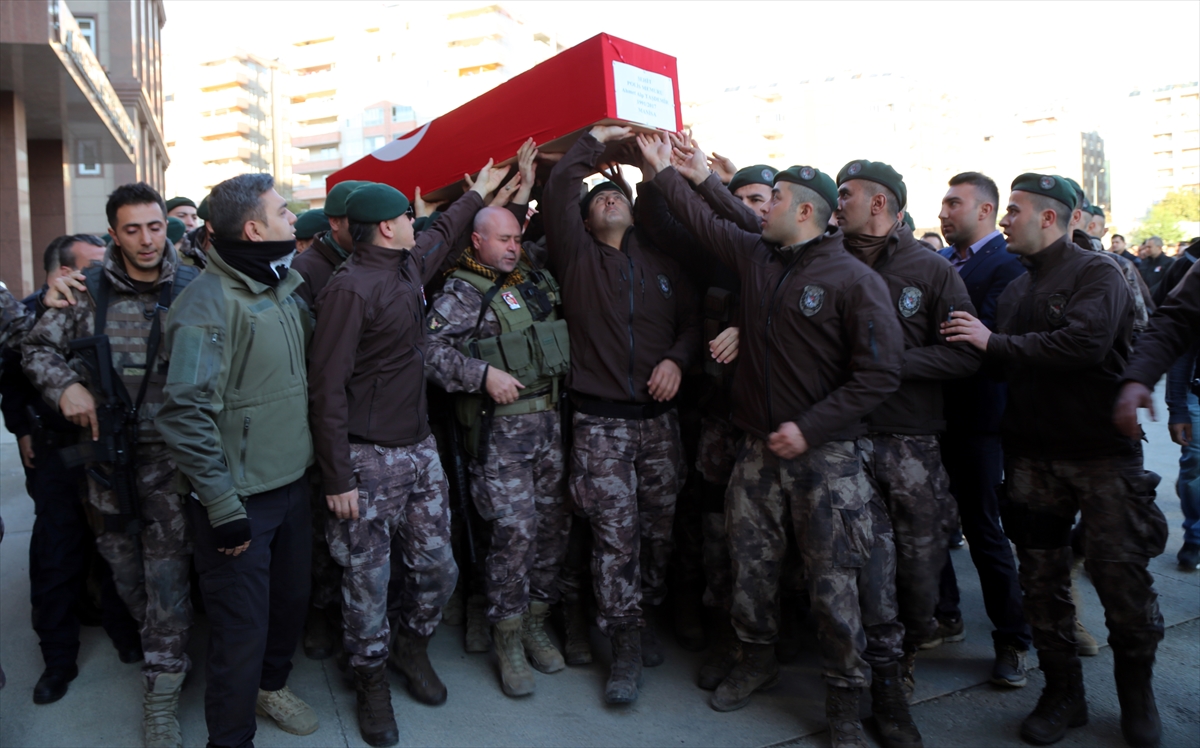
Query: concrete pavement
[{"x": 956, "y": 705}]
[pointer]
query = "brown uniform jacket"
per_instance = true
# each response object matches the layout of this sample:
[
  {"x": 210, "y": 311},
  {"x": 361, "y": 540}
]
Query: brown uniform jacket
[
  {"x": 924, "y": 287},
  {"x": 316, "y": 266},
  {"x": 1063, "y": 334},
  {"x": 628, "y": 308},
  {"x": 820, "y": 345},
  {"x": 367, "y": 361},
  {"x": 1173, "y": 329}
]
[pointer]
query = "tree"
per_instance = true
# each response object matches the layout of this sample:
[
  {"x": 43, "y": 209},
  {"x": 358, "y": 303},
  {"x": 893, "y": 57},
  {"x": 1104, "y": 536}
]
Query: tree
[{"x": 1163, "y": 218}]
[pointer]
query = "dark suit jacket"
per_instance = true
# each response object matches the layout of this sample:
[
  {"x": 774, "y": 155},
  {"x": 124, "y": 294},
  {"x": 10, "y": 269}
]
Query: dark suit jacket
[{"x": 975, "y": 404}]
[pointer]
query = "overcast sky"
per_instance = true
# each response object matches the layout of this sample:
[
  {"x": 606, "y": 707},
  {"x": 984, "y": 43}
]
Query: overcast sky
[{"x": 1013, "y": 54}]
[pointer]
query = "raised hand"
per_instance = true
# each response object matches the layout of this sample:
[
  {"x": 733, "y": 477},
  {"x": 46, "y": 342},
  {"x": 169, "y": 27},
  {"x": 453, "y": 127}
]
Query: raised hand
[
  {"x": 722, "y": 166},
  {"x": 688, "y": 159},
  {"x": 506, "y": 192},
  {"x": 656, "y": 151},
  {"x": 527, "y": 156},
  {"x": 609, "y": 133},
  {"x": 420, "y": 209}
]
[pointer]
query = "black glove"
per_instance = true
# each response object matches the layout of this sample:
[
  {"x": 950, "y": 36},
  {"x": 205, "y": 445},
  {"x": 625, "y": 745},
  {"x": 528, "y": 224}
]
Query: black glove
[{"x": 232, "y": 534}]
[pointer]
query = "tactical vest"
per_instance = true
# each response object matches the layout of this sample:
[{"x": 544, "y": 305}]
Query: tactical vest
[
  {"x": 532, "y": 346},
  {"x": 128, "y": 324}
]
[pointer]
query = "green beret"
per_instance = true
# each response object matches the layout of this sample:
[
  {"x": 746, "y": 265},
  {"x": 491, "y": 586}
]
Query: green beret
[
  {"x": 202, "y": 210},
  {"x": 175, "y": 202},
  {"x": 1080, "y": 199},
  {"x": 877, "y": 172},
  {"x": 175, "y": 229},
  {"x": 812, "y": 178},
  {"x": 335, "y": 199},
  {"x": 1095, "y": 210},
  {"x": 908, "y": 221},
  {"x": 757, "y": 174},
  {"x": 310, "y": 223},
  {"x": 372, "y": 203},
  {"x": 1047, "y": 185}
]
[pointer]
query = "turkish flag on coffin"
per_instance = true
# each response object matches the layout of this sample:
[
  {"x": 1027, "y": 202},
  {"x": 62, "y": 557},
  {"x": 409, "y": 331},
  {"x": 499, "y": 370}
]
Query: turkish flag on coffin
[{"x": 604, "y": 80}]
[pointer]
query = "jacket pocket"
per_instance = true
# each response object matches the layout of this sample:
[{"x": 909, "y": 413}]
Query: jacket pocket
[
  {"x": 1145, "y": 527},
  {"x": 246, "y": 356}
]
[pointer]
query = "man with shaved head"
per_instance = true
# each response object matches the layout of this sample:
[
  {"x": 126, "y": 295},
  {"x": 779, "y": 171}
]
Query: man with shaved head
[{"x": 497, "y": 338}]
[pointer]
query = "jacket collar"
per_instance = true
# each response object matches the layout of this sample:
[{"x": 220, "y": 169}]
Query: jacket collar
[
  {"x": 378, "y": 258},
  {"x": 114, "y": 267},
  {"x": 323, "y": 246},
  {"x": 976, "y": 261},
  {"x": 1050, "y": 256},
  {"x": 283, "y": 290}
]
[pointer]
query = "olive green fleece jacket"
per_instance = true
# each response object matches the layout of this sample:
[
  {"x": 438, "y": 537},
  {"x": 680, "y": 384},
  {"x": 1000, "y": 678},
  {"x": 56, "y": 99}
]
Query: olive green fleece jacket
[{"x": 236, "y": 410}]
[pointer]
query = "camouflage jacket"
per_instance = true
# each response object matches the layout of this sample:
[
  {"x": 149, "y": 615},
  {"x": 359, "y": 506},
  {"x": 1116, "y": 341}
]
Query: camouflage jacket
[
  {"x": 16, "y": 319},
  {"x": 49, "y": 363},
  {"x": 450, "y": 322}
]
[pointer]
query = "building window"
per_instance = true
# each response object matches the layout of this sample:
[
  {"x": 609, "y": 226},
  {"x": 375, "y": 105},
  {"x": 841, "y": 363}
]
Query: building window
[
  {"x": 87, "y": 27},
  {"x": 327, "y": 153},
  {"x": 372, "y": 144},
  {"x": 403, "y": 114},
  {"x": 88, "y": 164},
  {"x": 373, "y": 117}
]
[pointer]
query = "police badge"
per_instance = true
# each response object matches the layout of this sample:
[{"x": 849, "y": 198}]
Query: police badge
[
  {"x": 768, "y": 175},
  {"x": 1056, "y": 307},
  {"x": 807, "y": 173},
  {"x": 811, "y": 300},
  {"x": 854, "y": 169},
  {"x": 1046, "y": 182},
  {"x": 910, "y": 301},
  {"x": 664, "y": 285}
]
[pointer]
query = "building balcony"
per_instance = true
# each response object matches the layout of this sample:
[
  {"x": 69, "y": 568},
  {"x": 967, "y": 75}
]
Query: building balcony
[
  {"x": 301, "y": 138},
  {"x": 226, "y": 149},
  {"x": 222, "y": 77},
  {"x": 215, "y": 128},
  {"x": 315, "y": 109},
  {"x": 309, "y": 193},
  {"x": 320, "y": 166}
]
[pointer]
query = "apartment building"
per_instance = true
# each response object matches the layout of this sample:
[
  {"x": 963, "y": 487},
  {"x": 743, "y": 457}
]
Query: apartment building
[
  {"x": 81, "y": 111},
  {"x": 228, "y": 116}
]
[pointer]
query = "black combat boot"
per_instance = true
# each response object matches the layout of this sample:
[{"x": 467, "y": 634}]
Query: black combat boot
[
  {"x": 756, "y": 670},
  {"x": 845, "y": 726},
  {"x": 625, "y": 678},
  {"x": 653, "y": 654},
  {"x": 577, "y": 649},
  {"x": 725, "y": 651},
  {"x": 376, "y": 721},
  {"x": 1134, "y": 673},
  {"x": 410, "y": 657},
  {"x": 890, "y": 708},
  {"x": 1062, "y": 703}
]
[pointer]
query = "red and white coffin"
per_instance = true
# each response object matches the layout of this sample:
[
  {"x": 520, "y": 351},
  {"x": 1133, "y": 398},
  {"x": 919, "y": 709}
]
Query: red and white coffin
[{"x": 604, "y": 80}]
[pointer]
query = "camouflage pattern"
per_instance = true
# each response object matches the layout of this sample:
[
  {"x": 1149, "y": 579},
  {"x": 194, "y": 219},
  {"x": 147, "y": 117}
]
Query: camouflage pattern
[
  {"x": 625, "y": 476},
  {"x": 907, "y": 472},
  {"x": 877, "y": 592},
  {"x": 827, "y": 495},
  {"x": 716, "y": 455},
  {"x": 520, "y": 491},
  {"x": 46, "y": 356},
  {"x": 151, "y": 570},
  {"x": 326, "y": 574},
  {"x": 1122, "y": 530},
  {"x": 402, "y": 506},
  {"x": 15, "y": 319}
]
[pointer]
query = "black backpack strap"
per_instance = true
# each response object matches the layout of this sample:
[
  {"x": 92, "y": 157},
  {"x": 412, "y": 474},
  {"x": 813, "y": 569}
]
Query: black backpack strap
[{"x": 98, "y": 288}]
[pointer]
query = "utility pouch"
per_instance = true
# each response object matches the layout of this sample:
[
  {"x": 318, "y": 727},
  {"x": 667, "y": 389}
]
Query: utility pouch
[
  {"x": 552, "y": 348},
  {"x": 517, "y": 356}
]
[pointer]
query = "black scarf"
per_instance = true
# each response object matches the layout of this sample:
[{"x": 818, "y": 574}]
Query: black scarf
[{"x": 265, "y": 262}]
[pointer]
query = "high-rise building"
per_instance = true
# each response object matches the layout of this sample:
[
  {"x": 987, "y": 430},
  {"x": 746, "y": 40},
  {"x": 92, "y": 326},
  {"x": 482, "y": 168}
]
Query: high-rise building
[
  {"x": 228, "y": 116},
  {"x": 81, "y": 109}
]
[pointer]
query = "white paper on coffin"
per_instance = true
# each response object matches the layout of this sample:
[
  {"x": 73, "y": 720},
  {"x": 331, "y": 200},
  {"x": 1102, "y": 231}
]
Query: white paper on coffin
[{"x": 644, "y": 97}]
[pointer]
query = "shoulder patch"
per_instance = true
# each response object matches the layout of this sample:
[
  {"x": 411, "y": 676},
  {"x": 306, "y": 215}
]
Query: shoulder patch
[
  {"x": 811, "y": 300},
  {"x": 436, "y": 321},
  {"x": 185, "y": 356},
  {"x": 1056, "y": 307},
  {"x": 909, "y": 302}
]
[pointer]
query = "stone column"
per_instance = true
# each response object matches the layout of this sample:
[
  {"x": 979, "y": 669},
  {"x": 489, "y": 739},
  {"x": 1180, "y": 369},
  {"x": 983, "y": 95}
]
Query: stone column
[
  {"x": 49, "y": 191},
  {"x": 16, "y": 259}
]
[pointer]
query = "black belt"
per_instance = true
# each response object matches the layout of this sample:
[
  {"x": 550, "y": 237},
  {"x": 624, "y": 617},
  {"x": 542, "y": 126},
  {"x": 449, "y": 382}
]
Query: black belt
[{"x": 629, "y": 411}]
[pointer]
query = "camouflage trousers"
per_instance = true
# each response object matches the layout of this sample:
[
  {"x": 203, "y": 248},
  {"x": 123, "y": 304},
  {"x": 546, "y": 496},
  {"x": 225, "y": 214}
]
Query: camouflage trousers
[
  {"x": 715, "y": 458},
  {"x": 150, "y": 570},
  {"x": 1123, "y": 530},
  {"x": 907, "y": 472},
  {"x": 520, "y": 492},
  {"x": 326, "y": 574},
  {"x": 403, "y": 527},
  {"x": 625, "y": 476},
  {"x": 877, "y": 592},
  {"x": 826, "y": 496}
]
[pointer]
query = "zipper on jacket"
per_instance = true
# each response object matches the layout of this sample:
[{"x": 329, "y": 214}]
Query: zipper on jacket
[
  {"x": 632, "y": 389},
  {"x": 767, "y": 339},
  {"x": 420, "y": 415},
  {"x": 242, "y": 452},
  {"x": 246, "y": 357},
  {"x": 288, "y": 339}
]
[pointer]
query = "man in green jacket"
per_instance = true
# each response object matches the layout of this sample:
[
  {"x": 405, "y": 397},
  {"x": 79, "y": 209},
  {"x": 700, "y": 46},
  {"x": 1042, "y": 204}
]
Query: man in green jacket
[{"x": 236, "y": 421}]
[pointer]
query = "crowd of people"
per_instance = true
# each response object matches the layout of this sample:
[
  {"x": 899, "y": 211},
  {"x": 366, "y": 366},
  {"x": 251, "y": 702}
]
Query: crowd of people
[{"x": 719, "y": 404}]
